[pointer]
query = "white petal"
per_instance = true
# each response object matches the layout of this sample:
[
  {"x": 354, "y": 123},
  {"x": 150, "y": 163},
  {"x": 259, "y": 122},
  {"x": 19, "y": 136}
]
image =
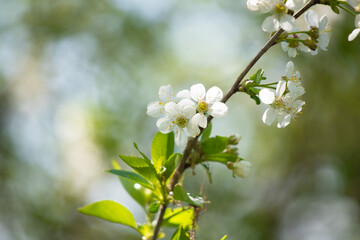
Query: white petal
[
  {"x": 287, "y": 22},
  {"x": 312, "y": 18},
  {"x": 354, "y": 34},
  {"x": 193, "y": 129},
  {"x": 323, "y": 22},
  {"x": 187, "y": 107},
  {"x": 218, "y": 110},
  {"x": 280, "y": 88},
  {"x": 200, "y": 120},
  {"x": 303, "y": 48},
  {"x": 180, "y": 137},
  {"x": 295, "y": 89},
  {"x": 183, "y": 94},
  {"x": 214, "y": 94},
  {"x": 324, "y": 40},
  {"x": 292, "y": 52},
  {"x": 165, "y": 125},
  {"x": 252, "y": 5},
  {"x": 357, "y": 20},
  {"x": 242, "y": 169},
  {"x": 290, "y": 69},
  {"x": 267, "y": 96},
  {"x": 284, "y": 120},
  {"x": 172, "y": 109},
  {"x": 155, "y": 109},
  {"x": 197, "y": 92},
  {"x": 285, "y": 46},
  {"x": 315, "y": 52},
  {"x": 186, "y": 103},
  {"x": 269, "y": 116},
  {"x": 294, "y": 4},
  {"x": 270, "y": 24},
  {"x": 166, "y": 94}
]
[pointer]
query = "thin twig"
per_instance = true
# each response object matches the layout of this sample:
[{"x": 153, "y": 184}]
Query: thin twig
[{"x": 234, "y": 89}]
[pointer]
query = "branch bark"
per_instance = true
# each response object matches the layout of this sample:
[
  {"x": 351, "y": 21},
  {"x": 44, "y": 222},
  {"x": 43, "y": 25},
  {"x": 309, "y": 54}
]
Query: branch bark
[{"x": 234, "y": 89}]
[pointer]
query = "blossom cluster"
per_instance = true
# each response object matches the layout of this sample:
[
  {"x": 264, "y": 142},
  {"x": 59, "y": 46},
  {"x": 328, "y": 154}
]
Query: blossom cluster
[
  {"x": 284, "y": 104},
  {"x": 187, "y": 111}
]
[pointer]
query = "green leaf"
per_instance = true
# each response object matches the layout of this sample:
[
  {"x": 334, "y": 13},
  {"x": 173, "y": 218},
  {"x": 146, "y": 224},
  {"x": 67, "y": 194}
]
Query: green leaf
[
  {"x": 180, "y": 234},
  {"x": 224, "y": 237},
  {"x": 133, "y": 177},
  {"x": 214, "y": 145},
  {"x": 207, "y": 131},
  {"x": 142, "y": 154},
  {"x": 141, "y": 166},
  {"x": 170, "y": 164},
  {"x": 221, "y": 157},
  {"x": 154, "y": 207},
  {"x": 178, "y": 217},
  {"x": 137, "y": 193},
  {"x": 193, "y": 199},
  {"x": 110, "y": 211},
  {"x": 335, "y": 8},
  {"x": 256, "y": 98},
  {"x": 258, "y": 76},
  {"x": 161, "y": 148}
]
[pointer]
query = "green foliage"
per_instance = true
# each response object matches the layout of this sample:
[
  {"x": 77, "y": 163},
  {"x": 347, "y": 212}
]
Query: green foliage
[
  {"x": 258, "y": 76},
  {"x": 207, "y": 132},
  {"x": 133, "y": 177},
  {"x": 170, "y": 164},
  {"x": 180, "y": 234},
  {"x": 137, "y": 193},
  {"x": 178, "y": 217},
  {"x": 142, "y": 166},
  {"x": 256, "y": 99},
  {"x": 110, "y": 211},
  {"x": 190, "y": 198},
  {"x": 214, "y": 145},
  {"x": 161, "y": 148},
  {"x": 154, "y": 207},
  {"x": 207, "y": 170},
  {"x": 221, "y": 157}
]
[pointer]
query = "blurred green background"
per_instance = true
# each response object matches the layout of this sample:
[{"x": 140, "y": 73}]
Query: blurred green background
[{"x": 75, "y": 79}]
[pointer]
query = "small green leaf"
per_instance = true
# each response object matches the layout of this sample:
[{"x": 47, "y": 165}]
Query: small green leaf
[
  {"x": 221, "y": 157},
  {"x": 141, "y": 166},
  {"x": 110, "y": 211},
  {"x": 161, "y": 148},
  {"x": 224, "y": 237},
  {"x": 193, "y": 199},
  {"x": 133, "y": 177},
  {"x": 154, "y": 207},
  {"x": 258, "y": 76},
  {"x": 335, "y": 8},
  {"x": 142, "y": 154},
  {"x": 180, "y": 234},
  {"x": 214, "y": 145},
  {"x": 207, "y": 131},
  {"x": 170, "y": 164},
  {"x": 178, "y": 217},
  {"x": 256, "y": 98}
]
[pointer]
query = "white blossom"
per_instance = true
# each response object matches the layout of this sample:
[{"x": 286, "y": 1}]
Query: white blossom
[
  {"x": 356, "y": 31},
  {"x": 242, "y": 168},
  {"x": 283, "y": 107},
  {"x": 206, "y": 103},
  {"x": 295, "y": 4},
  {"x": 319, "y": 27},
  {"x": 293, "y": 47},
  {"x": 157, "y": 108},
  {"x": 178, "y": 119},
  {"x": 280, "y": 17}
]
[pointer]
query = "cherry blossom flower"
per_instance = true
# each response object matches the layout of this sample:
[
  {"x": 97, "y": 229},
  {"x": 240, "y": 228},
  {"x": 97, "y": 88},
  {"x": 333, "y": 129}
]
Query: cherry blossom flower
[
  {"x": 280, "y": 17},
  {"x": 320, "y": 30},
  {"x": 157, "y": 108},
  {"x": 293, "y": 47},
  {"x": 356, "y": 31},
  {"x": 206, "y": 103},
  {"x": 242, "y": 168},
  {"x": 293, "y": 80},
  {"x": 178, "y": 119}
]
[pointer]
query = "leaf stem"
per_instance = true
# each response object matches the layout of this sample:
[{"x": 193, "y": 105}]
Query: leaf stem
[
  {"x": 234, "y": 89},
  {"x": 347, "y": 10}
]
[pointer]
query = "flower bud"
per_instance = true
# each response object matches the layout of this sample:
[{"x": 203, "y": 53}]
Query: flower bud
[
  {"x": 242, "y": 168},
  {"x": 310, "y": 44},
  {"x": 314, "y": 33},
  {"x": 233, "y": 140}
]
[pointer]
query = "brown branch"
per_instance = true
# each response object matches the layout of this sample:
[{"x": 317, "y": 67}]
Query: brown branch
[{"x": 234, "y": 89}]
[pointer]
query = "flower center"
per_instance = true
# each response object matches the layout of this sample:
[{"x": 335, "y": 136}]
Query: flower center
[
  {"x": 181, "y": 121},
  {"x": 202, "y": 106},
  {"x": 294, "y": 44},
  {"x": 280, "y": 9}
]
